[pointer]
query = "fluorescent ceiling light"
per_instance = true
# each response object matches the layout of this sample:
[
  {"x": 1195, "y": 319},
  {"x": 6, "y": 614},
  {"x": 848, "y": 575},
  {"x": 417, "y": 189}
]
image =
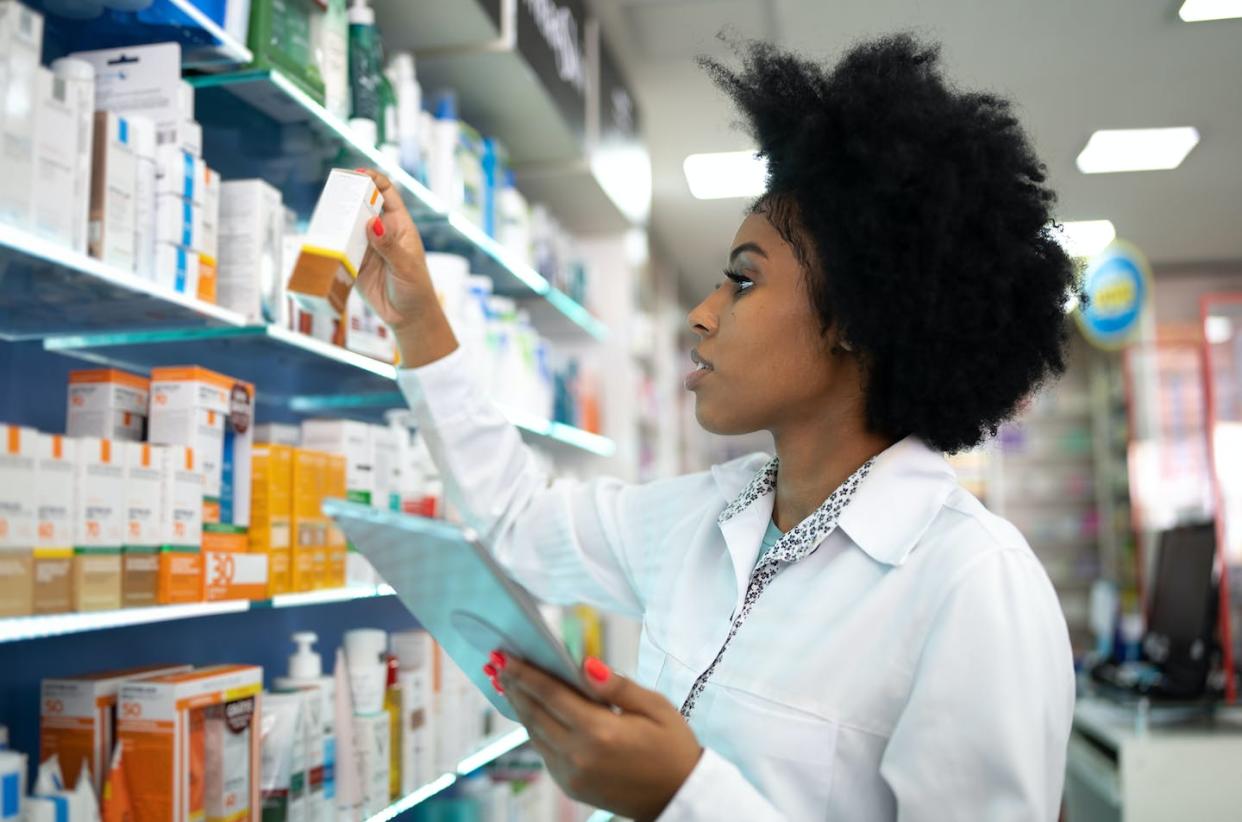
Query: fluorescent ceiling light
[
  {"x": 1137, "y": 149},
  {"x": 726, "y": 174},
  {"x": 1196, "y": 11},
  {"x": 1085, "y": 238}
]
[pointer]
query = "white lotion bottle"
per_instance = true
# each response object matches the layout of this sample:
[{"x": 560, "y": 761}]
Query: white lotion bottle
[{"x": 306, "y": 671}]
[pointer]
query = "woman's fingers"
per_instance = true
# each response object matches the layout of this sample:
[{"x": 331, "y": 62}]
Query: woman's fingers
[{"x": 560, "y": 700}]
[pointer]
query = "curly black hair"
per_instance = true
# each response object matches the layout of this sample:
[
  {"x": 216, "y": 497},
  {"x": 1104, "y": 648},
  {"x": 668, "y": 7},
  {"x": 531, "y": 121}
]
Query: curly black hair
[{"x": 921, "y": 216}]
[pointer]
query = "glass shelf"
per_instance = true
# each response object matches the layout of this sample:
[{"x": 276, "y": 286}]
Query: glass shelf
[
  {"x": 487, "y": 753},
  {"x": 261, "y": 124},
  {"x": 296, "y": 376},
  {"x": 48, "y": 289},
  {"x": 18, "y": 629},
  {"x": 204, "y": 44}
]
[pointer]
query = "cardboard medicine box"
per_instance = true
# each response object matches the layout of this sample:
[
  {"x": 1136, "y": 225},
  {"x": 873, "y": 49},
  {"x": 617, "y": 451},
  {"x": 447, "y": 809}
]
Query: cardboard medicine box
[
  {"x": 99, "y": 524},
  {"x": 110, "y": 235},
  {"x": 140, "y": 560},
  {"x": 190, "y": 744},
  {"x": 107, "y": 403},
  {"x": 77, "y": 719},
  {"x": 18, "y": 517},
  {"x": 214, "y": 415},
  {"x": 54, "y": 505},
  {"x": 335, "y": 243}
]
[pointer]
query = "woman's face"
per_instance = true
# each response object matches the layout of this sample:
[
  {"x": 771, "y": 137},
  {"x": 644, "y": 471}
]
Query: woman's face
[{"x": 765, "y": 360}]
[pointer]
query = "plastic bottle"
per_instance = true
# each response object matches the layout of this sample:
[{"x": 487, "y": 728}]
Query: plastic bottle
[
  {"x": 442, "y": 173},
  {"x": 364, "y": 72},
  {"x": 389, "y": 125},
  {"x": 305, "y": 672},
  {"x": 401, "y": 74},
  {"x": 330, "y": 39},
  {"x": 392, "y": 705},
  {"x": 513, "y": 220},
  {"x": 144, "y": 196}
]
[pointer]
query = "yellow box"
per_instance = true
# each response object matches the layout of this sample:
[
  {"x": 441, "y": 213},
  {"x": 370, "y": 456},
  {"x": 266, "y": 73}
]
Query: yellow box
[
  {"x": 279, "y": 571},
  {"x": 271, "y": 505}
]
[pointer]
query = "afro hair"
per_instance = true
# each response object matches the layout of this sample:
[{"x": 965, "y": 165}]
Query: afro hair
[{"x": 923, "y": 220}]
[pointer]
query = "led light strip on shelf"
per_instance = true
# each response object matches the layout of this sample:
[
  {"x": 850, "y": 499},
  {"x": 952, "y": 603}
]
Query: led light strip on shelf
[
  {"x": 488, "y": 753},
  {"x": 17, "y": 629}
]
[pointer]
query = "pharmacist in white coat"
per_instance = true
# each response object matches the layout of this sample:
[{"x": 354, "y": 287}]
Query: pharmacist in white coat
[{"x": 840, "y": 632}]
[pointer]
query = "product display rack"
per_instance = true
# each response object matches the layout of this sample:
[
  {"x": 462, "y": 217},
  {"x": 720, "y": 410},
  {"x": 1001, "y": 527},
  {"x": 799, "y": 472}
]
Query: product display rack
[
  {"x": 87, "y": 310},
  {"x": 204, "y": 44},
  {"x": 249, "y": 120}
]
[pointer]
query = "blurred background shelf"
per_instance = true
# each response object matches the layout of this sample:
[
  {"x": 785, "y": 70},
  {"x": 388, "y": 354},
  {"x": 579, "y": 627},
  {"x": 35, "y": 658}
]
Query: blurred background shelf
[{"x": 204, "y": 42}]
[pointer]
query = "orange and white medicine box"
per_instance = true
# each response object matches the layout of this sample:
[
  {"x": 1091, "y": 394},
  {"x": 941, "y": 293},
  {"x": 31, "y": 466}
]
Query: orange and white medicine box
[
  {"x": 234, "y": 575},
  {"x": 18, "y": 516},
  {"x": 214, "y": 415},
  {"x": 144, "y": 479},
  {"x": 190, "y": 743},
  {"x": 107, "y": 403},
  {"x": 335, "y": 243},
  {"x": 54, "y": 506},
  {"x": 77, "y": 719},
  {"x": 181, "y": 499},
  {"x": 98, "y": 524}
]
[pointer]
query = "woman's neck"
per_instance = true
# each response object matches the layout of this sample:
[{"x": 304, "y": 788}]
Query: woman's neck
[{"x": 817, "y": 456}]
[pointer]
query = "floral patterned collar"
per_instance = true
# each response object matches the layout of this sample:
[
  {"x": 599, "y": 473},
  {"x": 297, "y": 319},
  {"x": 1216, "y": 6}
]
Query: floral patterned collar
[{"x": 804, "y": 537}]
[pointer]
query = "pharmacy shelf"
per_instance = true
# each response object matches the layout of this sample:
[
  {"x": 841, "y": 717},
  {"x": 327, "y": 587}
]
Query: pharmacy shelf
[
  {"x": 295, "y": 374},
  {"x": 487, "y": 753},
  {"x": 50, "y": 290},
  {"x": 18, "y": 629},
  {"x": 204, "y": 45},
  {"x": 262, "y": 124}
]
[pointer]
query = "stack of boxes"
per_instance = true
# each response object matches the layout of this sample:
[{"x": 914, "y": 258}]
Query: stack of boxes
[
  {"x": 99, "y": 524},
  {"x": 54, "y": 509},
  {"x": 17, "y": 518},
  {"x": 252, "y": 225}
]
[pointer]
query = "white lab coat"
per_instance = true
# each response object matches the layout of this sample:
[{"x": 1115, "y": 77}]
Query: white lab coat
[{"x": 916, "y": 666}]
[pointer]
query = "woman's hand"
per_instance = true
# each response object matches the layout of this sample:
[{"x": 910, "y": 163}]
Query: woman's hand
[
  {"x": 630, "y": 760},
  {"x": 395, "y": 282}
]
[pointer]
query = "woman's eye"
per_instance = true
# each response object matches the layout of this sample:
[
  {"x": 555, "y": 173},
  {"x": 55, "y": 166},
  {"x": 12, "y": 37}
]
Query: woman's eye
[{"x": 741, "y": 284}]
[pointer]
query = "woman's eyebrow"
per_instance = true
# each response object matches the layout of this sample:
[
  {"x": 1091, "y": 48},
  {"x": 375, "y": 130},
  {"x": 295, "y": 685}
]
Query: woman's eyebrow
[{"x": 744, "y": 247}]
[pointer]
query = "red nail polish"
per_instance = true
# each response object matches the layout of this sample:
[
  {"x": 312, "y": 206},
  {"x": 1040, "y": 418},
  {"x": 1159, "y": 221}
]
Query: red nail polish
[
  {"x": 361, "y": 170},
  {"x": 490, "y": 670},
  {"x": 499, "y": 688},
  {"x": 377, "y": 225},
  {"x": 498, "y": 660},
  {"x": 597, "y": 670}
]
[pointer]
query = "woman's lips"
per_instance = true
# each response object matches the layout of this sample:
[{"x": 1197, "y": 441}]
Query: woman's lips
[{"x": 696, "y": 376}]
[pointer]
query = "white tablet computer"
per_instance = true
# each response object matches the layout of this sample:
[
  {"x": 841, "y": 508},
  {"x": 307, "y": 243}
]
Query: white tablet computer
[{"x": 455, "y": 589}]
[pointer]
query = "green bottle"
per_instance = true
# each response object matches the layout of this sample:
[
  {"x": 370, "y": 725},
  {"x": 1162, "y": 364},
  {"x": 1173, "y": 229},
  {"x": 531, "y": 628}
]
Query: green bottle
[{"x": 365, "y": 72}]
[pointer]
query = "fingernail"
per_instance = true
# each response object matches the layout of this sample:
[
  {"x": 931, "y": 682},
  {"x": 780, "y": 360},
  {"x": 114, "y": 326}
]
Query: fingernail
[
  {"x": 498, "y": 660},
  {"x": 361, "y": 170},
  {"x": 597, "y": 670},
  {"x": 377, "y": 225},
  {"x": 500, "y": 689},
  {"x": 490, "y": 670}
]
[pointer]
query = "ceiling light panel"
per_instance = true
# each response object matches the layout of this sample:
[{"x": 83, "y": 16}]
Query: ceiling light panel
[
  {"x": 1137, "y": 149},
  {"x": 725, "y": 174}
]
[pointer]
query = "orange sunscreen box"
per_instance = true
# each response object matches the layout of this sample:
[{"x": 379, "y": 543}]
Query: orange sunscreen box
[
  {"x": 181, "y": 527},
  {"x": 214, "y": 415},
  {"x": 190, "y": 742},
  {"x": 99, "y": 524},
  {"x": 53, "y": 552},
  {"x": 335, "y": 243},
  {"x": 18, "y": 449},
  {"x": 77, "y": 720},
  {"x": 107, "y": 402},
  {"x": 140, "y": 558}
]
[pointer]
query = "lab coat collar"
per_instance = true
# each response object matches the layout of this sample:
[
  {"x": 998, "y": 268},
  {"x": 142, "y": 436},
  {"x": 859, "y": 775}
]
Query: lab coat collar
[{"x": 888, "y": 513}]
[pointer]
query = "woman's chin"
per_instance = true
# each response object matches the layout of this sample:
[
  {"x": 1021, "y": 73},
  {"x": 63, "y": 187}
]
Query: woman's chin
[{"x": 722, "y": 422}]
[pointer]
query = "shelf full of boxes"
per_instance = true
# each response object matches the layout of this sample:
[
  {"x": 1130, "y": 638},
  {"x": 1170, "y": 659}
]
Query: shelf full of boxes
[{"x": 160, "y": 175}]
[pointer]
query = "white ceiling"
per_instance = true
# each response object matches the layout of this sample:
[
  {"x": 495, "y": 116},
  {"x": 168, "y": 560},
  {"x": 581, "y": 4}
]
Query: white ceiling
[{"x": 1071, "y": 66}]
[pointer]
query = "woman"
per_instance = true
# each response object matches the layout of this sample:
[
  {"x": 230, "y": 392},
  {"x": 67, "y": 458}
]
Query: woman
[{"x": 841, "y": 632}]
